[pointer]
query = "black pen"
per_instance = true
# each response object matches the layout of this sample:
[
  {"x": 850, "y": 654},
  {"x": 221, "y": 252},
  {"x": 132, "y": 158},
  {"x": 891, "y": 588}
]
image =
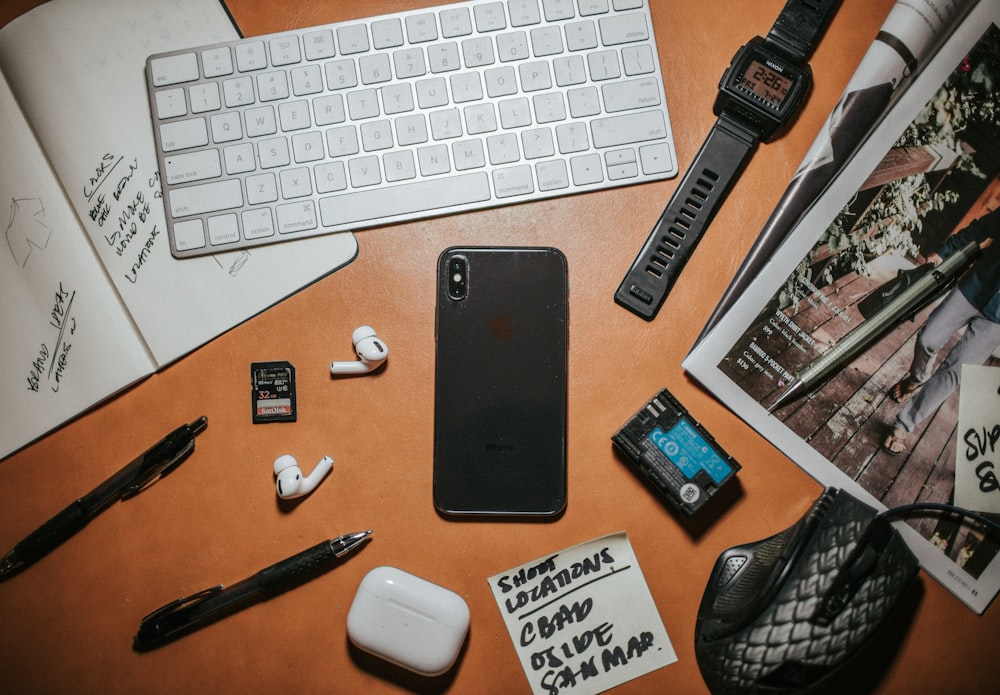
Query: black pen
[
  {"x": 188, "y": 614},
  {"x": 146, "y": 469}
]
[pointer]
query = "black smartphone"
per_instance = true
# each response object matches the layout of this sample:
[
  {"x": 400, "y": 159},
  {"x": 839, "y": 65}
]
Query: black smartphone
[{"x": 500, "y": 381}]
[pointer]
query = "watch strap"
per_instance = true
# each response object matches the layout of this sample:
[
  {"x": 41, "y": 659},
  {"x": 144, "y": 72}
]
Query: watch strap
[
  {"x": 797, "y": 29},
  {"x": 706, "y": 184}
]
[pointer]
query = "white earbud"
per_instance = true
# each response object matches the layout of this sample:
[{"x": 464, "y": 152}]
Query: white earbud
[
  {"x": 290, "y": 483},
  {"x": 372, "y": 353}
]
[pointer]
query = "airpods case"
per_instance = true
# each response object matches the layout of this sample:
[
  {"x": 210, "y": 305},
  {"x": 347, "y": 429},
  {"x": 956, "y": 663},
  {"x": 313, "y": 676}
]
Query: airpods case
[{"x": 408, "y": 621}]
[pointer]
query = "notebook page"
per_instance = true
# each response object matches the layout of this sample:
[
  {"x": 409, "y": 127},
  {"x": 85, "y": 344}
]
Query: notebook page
[{"x": 59, "y": 324}]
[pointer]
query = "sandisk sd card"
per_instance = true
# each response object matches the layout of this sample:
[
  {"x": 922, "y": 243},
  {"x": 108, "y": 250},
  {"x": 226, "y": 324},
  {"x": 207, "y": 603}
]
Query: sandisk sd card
[{"x": 273, "y": 392}]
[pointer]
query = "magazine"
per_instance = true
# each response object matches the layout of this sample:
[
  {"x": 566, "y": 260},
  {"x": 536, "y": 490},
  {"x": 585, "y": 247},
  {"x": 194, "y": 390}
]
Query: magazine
[
  {"x": 816, "y": 354},
  {"x": 90, "y": 295}
]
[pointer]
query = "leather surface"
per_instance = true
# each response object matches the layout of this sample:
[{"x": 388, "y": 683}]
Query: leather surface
[{"x": 67, "y": 623}]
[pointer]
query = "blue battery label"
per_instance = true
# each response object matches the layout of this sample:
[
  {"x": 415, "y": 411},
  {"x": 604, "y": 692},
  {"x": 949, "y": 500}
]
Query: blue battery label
[{"x": 689, "y": 451}]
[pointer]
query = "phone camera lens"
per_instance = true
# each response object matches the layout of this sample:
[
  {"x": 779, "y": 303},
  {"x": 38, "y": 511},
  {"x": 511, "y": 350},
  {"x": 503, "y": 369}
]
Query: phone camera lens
[{"x": 457, "y": 278}]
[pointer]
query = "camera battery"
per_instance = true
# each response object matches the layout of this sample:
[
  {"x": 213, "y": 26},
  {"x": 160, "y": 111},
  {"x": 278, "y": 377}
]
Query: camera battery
[
  {"x": 272, "y": 392},
  {"x": 680, "y": 460}
]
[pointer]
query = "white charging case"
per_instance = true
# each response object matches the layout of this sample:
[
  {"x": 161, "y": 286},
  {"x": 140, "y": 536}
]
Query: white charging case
[{"x": 408, "y": 621}]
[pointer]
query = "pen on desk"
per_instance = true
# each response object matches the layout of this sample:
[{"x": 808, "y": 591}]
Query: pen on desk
[
  {"x": 902, "y": 307},
  {"x": 135, "y": 477},
  {"x": 188, "y": 614}
]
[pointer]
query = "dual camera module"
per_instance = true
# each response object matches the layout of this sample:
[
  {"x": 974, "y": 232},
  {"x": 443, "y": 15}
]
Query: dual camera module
[{"x": 458, "y": 278}]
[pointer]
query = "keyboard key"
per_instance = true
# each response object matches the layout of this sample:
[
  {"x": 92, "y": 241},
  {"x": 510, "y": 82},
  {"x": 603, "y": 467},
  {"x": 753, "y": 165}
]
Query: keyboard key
[
  {"x": 627, "y": 129},
  {"x": 341, "y": 74},
  {"x": 272, "y": 86},
  {"x": 217, "y": 61},
  {"x": 444, "y": 57},
  {"x": 364, "y": 171},
  {"x": 352, "y": 39},
  {"x": 624, "y": 28},
  {"x": 330, "y": 177},
  {"x": 404, "y": 199},
  {"x": 433, "y": 160},
  {"x": 523, "y": 12},
  {"x": 295, "y": 183},
  {"x": 226, "y": 127},
  {"x": 296, "y": 217},
  {"x": 503, "y": 149},
  {"x": 260, "y": 121},
  {"x": 656, "y": 159},
  {"x": 630, "y": 94},
  {"x": 588, "y": 8},
  {"x": 257, "y": 224},
  {"x": 193, "y": 166},
  {"x": 375, "y": 68},
  {"x": 170, "y": 103},
  {"x": 239, "y": 158},
  {"x": 284, "y": 50},
  {"x": 251, "y": 56},
  {"x": 552, "y": 175},
  {"x": 409, "y": 62},
  {"x": 399, "y": 166},
  {"x": 180, "y": 135},
  {"x": 421, "y": 28},
  {"x": 558, "y": 10},
  {"x": 490, "y": 17},
  {"x": 587, "y": 169},
  {"x": 411, "y": 130},
  {"x": 307, "y": 147},
  {"x": 261, "y": 188},
  {"x": 238, "y": 91},
  {"x": 534, "y": 76},
  {"x": 513, "y": 181},
  {"x": 387, "y": 33},
  {"x": 223, "y": 229},
  {"x": 174, "y": 69},
  {"x": 455, "y": 21},
  {"x": 318, "y": 44},
  {"x": 205, "y": 97},
  {"x": 446, "y": 124},
  {"x": 189, "y": 235},
  {"x": 273, "y": 152},
  {"x": 205, "y": 197}
]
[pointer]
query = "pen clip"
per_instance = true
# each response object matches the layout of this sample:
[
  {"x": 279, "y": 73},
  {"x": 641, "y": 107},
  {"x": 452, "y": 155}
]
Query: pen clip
[
  {"x": 155, "y": 467},
  {"x": 181, "y": 604}
]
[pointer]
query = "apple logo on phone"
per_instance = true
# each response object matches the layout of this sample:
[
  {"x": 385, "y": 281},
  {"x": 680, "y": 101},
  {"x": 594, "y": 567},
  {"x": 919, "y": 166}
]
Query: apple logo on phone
[{"x": 502, "y": 327}]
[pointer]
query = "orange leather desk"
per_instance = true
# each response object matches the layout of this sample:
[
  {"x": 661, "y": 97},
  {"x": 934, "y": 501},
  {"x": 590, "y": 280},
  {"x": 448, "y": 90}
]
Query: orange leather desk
[{"x": 66, "y": 623}]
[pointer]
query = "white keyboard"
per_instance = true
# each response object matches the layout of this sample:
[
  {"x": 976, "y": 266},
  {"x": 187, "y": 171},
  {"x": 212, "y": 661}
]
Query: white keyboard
[{"x": 394, "y": 118}]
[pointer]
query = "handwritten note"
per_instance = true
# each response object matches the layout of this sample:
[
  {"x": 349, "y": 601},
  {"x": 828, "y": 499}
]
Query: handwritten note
[
  {"x": 977, "y": 461},
  {"x": 583, "y": 620}
]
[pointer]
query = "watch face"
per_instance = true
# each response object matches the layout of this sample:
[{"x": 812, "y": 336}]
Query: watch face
[
  {"x": 761, "y": 79},
  {"x": 762, "y": 89}
]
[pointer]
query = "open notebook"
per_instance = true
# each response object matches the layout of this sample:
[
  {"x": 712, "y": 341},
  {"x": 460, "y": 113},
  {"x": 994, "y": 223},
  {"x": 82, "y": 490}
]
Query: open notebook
[{"x": 90, "y": 297}]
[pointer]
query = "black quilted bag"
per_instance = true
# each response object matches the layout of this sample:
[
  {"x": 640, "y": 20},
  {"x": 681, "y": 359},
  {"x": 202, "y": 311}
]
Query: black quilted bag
[{"x": 781, "y": 614}]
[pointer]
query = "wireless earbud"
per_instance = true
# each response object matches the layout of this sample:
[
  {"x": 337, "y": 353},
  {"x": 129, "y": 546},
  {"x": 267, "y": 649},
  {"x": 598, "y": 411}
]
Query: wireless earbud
[
  {"x": 372, "y": 352},
  {"x": 291, "y": 484}
]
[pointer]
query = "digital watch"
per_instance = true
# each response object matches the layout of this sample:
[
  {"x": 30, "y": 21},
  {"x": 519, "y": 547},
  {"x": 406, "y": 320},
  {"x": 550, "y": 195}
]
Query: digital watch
[{"x": 761, "y": 91}]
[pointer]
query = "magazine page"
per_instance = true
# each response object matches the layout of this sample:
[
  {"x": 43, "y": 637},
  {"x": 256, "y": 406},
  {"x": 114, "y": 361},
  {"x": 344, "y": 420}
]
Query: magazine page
[
  {"x": 910, "y": 36},
  {"x": 77, "y": 70},
  {"x": 844, "y": 352},
  {"x": 58, "y": 322}
]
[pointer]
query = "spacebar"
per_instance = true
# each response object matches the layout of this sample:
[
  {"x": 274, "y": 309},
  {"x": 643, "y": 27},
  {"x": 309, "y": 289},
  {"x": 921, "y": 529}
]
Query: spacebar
[{"x": 407, "y": 199}]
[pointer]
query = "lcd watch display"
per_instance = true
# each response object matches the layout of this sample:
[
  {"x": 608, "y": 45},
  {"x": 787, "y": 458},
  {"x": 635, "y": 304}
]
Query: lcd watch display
[{"x": 764, "y": 82}]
